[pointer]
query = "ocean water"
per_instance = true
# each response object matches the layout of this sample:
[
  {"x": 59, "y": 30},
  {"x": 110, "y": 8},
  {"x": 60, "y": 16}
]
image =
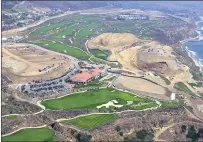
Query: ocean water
[{"x": 197, "y": 46}]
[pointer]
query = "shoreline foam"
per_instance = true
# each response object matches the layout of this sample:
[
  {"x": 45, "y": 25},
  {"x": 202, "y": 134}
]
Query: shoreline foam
[
  {"x": 195, "y": 58},
  {"x": 192, "y": 54}
]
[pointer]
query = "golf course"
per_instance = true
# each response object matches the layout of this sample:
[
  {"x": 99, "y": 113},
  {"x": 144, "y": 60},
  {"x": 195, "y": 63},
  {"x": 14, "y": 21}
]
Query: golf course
[{"x": 95, "y": 98}]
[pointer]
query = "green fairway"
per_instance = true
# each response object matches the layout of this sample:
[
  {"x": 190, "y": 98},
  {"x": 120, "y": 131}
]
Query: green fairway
[
  {"x": 103, "y": 54},
  {"x": 59, "y": 47},
  {"x": 91, "y": 99},
  {"x": 165, "y": 80},
  {"x": 145, "y": 106},
  {"x": 101, "y": 61},
  {"x": 64, "y": 32},
  {"x": 196, "y": 84},
  {"x": 84, "y": 33},
  {"x": 170, "y": 104},
  {"x": 11, "y": 116},
  {"x": 30, "y": 134},
  {"x": 47, "y": 28},
  {"x": 182, "y": 87},
  {"x": 91, "y": 121}
]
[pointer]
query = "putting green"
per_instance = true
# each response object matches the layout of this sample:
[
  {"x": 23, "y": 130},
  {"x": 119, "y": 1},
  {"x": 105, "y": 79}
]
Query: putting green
[{"x": 30, "y": 134}]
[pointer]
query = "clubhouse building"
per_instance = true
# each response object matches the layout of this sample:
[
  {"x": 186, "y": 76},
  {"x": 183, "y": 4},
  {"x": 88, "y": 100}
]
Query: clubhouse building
[{"x": 85, "y": 77}]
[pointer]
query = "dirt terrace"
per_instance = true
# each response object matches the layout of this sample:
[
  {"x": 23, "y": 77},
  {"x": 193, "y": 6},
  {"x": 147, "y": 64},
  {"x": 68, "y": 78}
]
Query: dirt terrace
[{"x": 22, "y": 63}]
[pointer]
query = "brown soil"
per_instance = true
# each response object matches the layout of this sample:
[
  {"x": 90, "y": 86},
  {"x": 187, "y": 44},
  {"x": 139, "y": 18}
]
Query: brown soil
[
  {"x": 141, "y": 55},
  {"x": 140, "y": 85},
  {"x": 22, "y": 63}
]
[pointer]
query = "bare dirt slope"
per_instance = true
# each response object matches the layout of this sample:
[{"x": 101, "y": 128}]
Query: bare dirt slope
[
  {"x": 22, "y": 63},
  {"x": 135, "y": 54},
  {"x": 142, "y": 85}
]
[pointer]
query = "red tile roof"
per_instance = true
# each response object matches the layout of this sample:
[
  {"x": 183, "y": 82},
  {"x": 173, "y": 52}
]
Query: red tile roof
[
  {"x": 85, "y": 76},
  {"x": 82, "y": 77}
]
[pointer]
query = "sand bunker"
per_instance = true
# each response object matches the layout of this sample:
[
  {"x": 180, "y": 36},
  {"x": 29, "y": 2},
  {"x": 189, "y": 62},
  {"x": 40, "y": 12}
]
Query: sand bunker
[{"x": 110, "y": 103}]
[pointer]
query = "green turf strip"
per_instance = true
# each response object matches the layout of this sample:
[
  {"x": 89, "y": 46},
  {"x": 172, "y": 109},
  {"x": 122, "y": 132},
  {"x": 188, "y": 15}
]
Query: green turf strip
[
  {"x": 91, "y": 121},
  {"x": 62, "y": 48},
  {"x": 11, "y": 116},
  {"x": 30, "y": 134}
]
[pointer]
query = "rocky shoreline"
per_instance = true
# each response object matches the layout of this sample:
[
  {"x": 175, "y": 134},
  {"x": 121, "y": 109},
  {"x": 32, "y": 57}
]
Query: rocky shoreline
[{"x": 192, "y": 54}]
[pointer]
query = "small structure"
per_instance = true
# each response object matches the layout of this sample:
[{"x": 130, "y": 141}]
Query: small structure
[{"x": 173, "y": 96}]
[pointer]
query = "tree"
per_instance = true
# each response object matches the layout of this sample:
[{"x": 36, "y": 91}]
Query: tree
[
  {"x": 200, "y": 133},
  {"x": 83, "y": 137},
  {"x": 192, "y": 134},
  {"x": 118, "y": 128},
  {"x": 120, "y": 133},
  {"x": 183, "y": 128}
]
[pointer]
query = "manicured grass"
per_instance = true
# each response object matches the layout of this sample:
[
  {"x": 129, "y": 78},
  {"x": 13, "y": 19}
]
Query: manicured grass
[
  {"x": 97, "y": 60},
  {"x": 103, "y": 54},
  {"x": 101, "y": 61},
  {"x": 165, "y": 80},
  {"x": 182, "y": 87},
  {"x": 59, "y": 47},
  {"x": 11, "y": 116},
  {"x": 91, "y": 121},
  {"x": 145, "y": 106},
  {"x": 30, "y": 134},
  {"x": 47, "y": 28},
  {"x": 67, "y": 32},
  {"x": 90, "y": 99},
  {"x": 170, "y": 104},
  {"x": 85, "y": 33},
  {"x": 197, "y": 84}
]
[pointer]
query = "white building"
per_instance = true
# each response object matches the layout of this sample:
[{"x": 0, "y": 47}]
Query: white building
[{"x": 173, "y": 96}]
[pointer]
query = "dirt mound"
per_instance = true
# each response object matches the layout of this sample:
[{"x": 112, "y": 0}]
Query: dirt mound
[
  {"x": 140, "y": 55},
  {"x": 160, "y": 59},
  {"x": 112, "y": 40}
]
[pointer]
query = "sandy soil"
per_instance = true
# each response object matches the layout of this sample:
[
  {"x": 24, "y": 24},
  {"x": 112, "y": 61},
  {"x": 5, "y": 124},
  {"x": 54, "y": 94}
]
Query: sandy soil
[
  {"x": 120, "y": 46},
  {"x": 22, "y": 63},
  {"x": 140, "y": 85},
  {"x": 159, "y": 58},
  {"x": 109, "y": 41}
]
